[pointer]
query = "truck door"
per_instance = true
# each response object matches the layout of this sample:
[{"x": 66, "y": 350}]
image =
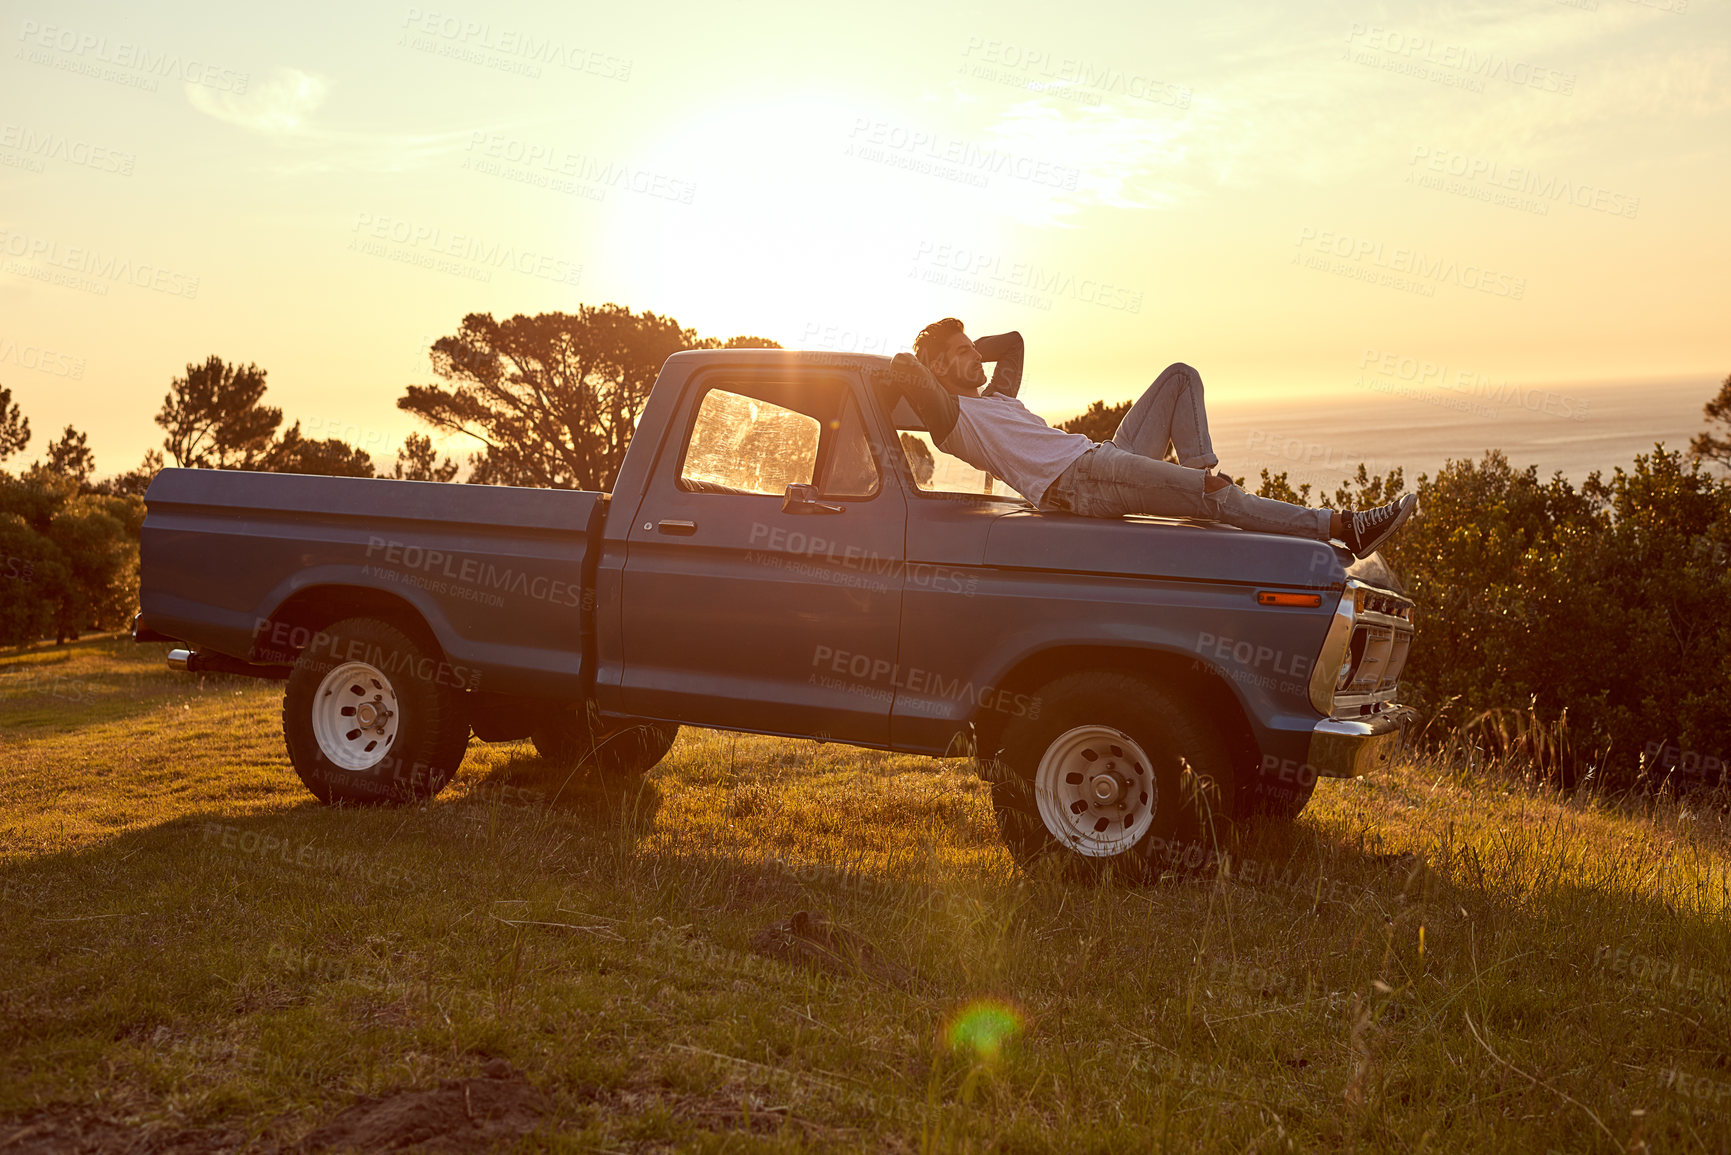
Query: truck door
[
  {"x": 746, "y": 608},
  {"x": 954, "y": 608}
]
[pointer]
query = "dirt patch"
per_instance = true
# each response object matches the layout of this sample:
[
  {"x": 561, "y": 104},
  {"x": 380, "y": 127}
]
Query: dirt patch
[
  {"x": 74, "y": 1131},
  {"x": 460, "y": 1115},
  {"x": 811, "y": 940},
  {"x": 732, "y": 1109}
]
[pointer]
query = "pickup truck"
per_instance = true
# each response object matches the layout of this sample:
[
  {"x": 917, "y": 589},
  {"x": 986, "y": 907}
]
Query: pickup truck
[{"x": 785, "y": 551}]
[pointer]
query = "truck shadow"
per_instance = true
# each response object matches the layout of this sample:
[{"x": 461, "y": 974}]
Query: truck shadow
[
  {"x": 1293, "y": 858},
  {"x": 515, "y": 775}
]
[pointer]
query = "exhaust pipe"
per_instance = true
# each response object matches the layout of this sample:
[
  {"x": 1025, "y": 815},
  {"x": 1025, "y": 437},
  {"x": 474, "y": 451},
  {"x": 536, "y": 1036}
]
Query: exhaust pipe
[{"x": 211, "y": 662}]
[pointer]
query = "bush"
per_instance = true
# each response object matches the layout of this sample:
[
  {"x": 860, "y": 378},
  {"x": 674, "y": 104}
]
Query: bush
[
  {"x": 1599, "y": 613},
  {"x": 103, "y": 562},
  {"x": 68, "y": 560},
  {"x": 33, "y": 580}
]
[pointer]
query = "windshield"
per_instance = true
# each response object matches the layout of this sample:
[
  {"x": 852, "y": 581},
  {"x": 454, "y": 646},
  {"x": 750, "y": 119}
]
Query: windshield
[
  {"x": 943, "y": 473},
  {"x": 936, "y": 472}
]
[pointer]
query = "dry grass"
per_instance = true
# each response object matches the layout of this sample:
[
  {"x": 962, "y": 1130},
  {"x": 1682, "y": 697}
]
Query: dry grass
[{"x": 1425, "y": 961}]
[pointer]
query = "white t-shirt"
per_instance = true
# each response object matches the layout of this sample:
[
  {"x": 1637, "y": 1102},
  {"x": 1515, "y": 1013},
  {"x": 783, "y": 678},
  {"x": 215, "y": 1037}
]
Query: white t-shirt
[{"x": 999, "y": 435}]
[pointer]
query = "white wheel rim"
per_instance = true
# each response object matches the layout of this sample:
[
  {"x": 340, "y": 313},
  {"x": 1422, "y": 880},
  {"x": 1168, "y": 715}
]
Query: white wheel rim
[
  {"x": 1096, "y": 791},
  {"x": 356, "y": 716}
]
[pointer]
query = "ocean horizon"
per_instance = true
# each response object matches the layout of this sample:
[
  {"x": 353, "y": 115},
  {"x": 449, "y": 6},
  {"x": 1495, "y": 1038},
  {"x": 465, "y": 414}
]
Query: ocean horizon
[{"x": 1572, "y": 429}]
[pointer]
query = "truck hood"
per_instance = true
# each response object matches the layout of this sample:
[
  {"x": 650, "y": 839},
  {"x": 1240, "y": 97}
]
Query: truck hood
[{"x": 1162, "y": 547}]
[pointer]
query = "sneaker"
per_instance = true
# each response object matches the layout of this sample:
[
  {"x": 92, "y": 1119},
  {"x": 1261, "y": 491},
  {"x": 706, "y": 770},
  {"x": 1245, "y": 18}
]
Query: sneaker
[{"x": 1365, "y": 531}]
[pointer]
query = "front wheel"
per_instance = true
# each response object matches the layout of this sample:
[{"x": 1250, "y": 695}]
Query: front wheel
[
  {"x": 368, "y": 716},
  {"x": 1110, "y": 769}
]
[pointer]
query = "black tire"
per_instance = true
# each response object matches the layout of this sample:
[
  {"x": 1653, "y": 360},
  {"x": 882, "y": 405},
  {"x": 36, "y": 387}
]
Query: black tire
[
  {"x": 1188, "y": 767},
  {"x": 613, "y": 749},
  {"x": 422, "y": 733}
]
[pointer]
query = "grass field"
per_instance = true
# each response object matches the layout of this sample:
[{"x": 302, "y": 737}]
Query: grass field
[{"x": 195, "y": 955}]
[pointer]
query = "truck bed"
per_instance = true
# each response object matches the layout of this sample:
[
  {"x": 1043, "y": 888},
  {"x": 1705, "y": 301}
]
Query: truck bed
[{"x": 503, "y": 576}]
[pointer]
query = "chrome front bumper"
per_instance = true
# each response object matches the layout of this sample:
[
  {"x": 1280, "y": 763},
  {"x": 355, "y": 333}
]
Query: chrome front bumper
[{"x": 1353, "y": 747}]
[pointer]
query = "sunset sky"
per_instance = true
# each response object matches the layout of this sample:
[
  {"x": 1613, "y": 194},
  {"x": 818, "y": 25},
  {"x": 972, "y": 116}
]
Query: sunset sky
[{"x": 1529, "y": 192}]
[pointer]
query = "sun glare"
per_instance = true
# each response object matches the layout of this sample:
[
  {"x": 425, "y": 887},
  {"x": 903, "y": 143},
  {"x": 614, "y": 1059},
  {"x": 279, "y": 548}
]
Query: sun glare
[
  {"x": 799, "y": 229},
  {"x": 983, "y": 1028}
]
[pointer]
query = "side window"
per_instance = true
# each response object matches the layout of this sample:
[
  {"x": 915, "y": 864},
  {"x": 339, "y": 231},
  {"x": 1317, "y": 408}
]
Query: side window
[
  {"x": 850, "y": 469},
  {"x": 744, "y": 445}
]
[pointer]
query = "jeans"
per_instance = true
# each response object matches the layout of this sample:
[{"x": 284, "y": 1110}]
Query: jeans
[
  {"x": 1127, "y": 474},
  {"x": 1169, "y": 413}
]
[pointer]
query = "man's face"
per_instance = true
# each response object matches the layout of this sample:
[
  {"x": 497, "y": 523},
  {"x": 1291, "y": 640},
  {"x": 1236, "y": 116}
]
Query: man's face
[{"x": 958, "y": 363}]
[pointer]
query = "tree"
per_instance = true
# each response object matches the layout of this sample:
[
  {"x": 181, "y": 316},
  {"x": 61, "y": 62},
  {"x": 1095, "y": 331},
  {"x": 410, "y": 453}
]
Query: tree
[
  {"x": 294, "y": 453},
  {"x": 417, "y": 460},
  {"x": 14, "y": 426},
  {"x": 1707, "y": 446},
  {"x": 215, "y": 417},
  {"x": 36, "y": 496},
  {"x": 1370, "y": 492},
  {"x": 71, "y": 456},
  {"x": 1280, "y": 489},
  {"x": 1099, "y": 422},
  {"x": 33, "y": 576},
  {"x": 103, "y": 564},
  {"x": 553, "y": 399},
  {"x": 68, "y": 550},
  {"x": 68, "y": 559},
  {"x": 135, "y": 482}
]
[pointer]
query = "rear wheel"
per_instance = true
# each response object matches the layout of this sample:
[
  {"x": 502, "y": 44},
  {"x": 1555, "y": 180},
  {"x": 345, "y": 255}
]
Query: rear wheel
[
  {"x": 1112, "y": 770},
  {"x": 367, "y": 718},
  {"x": 613, "y": 748}
]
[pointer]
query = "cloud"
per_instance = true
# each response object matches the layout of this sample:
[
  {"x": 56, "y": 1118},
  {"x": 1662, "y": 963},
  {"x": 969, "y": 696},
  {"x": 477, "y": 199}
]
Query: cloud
[
  {"x": 282, "y": 105},
  {"x": 1304, "y": 111},
  {"x": 282, "y": 110}
]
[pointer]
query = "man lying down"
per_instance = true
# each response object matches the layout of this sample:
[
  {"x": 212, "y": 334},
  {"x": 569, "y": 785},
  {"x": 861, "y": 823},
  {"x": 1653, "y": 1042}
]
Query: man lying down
[{"x": 993, "y": 431}]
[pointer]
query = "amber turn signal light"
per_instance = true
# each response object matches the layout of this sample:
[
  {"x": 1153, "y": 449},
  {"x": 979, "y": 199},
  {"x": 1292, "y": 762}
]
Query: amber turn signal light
[{"x": 1271, "y": 598}]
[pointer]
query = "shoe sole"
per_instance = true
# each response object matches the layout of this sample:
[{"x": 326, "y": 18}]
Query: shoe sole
[{"x": 1408, "y": 505}]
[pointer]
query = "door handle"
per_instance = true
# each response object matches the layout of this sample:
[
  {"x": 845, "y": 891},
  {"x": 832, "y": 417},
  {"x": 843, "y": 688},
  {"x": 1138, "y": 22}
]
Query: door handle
[{"x": 682, "y": 528}]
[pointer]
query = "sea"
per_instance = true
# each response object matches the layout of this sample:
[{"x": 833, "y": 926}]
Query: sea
[{"x": 1572, "y": 429}]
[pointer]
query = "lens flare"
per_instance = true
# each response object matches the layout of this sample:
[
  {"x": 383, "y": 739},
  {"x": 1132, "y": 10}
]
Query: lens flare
[{"x": 983, "y": 1027}]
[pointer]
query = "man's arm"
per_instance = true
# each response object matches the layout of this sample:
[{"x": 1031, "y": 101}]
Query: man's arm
[
  {"x": 1006, "y": 350},
  {"x": 936, "y": 406}
]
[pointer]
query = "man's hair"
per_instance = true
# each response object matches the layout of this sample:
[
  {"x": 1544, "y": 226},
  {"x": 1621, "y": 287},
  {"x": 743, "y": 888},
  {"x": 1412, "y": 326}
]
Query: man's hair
[{"x": 933, "y": 338}]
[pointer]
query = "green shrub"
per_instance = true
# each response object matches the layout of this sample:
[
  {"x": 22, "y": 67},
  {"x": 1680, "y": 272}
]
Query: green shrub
[
  {"x": 68, "y": 560},
  {"x": 1599, "y": 613},
  {"x": 33, "y": 582}
]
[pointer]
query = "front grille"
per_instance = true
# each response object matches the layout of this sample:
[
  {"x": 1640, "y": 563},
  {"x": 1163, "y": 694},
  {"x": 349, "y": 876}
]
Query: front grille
[{"x": 1381, "y": 639}]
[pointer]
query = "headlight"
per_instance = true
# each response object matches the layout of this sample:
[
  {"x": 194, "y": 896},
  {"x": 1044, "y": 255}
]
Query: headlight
[{"x": 1354, "y": 651}]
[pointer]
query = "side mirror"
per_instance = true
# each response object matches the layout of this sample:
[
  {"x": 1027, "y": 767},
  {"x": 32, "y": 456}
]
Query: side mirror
[{"x": 802, "y": 498}]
